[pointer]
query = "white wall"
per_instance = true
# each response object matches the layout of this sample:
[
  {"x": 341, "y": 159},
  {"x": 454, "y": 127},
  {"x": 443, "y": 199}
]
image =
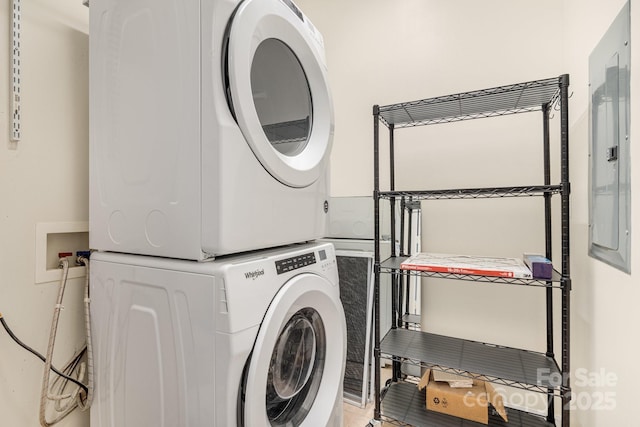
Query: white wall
[
  {"x": 388, "y": 51},
  {"x": 604, "y": 310},
  {"x": 43, "y": 178},
  {"x": 383, "y": 51}
]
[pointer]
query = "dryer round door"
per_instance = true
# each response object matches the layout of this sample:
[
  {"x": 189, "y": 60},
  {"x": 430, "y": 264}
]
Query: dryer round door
[
  {"x": 295, "y": 374},
  {"x": 278, "y": 90}
]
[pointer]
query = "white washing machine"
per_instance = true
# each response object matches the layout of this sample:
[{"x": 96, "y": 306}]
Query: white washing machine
[
  {"x": 256, "y": 341},
  {"x": 211, "y": 127}
]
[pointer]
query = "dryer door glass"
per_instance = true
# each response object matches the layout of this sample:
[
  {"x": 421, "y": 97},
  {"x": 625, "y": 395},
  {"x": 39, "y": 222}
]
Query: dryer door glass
[
  {"x": 282, "y": 97},
  {"x": 278, "y": 91},
  {"x": 296, "y": 368}
]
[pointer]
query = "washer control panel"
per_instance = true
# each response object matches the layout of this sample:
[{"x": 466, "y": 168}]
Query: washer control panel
[
  {"x": 327, "y": 263},
  {"x": 289, "y": 264}
]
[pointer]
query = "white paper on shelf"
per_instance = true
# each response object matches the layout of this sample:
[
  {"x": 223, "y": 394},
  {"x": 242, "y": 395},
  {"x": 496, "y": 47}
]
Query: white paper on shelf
[{"x": 468, "y": 264}]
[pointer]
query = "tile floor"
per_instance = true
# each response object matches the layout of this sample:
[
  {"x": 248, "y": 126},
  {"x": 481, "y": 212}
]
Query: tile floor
[
  {"x": 357, "y": 417},
  {"x": 360, "y": 417}
]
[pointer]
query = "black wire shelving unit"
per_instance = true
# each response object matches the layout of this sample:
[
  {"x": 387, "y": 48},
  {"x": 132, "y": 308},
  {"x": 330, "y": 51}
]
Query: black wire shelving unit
[{"x": 400, "y": 402}]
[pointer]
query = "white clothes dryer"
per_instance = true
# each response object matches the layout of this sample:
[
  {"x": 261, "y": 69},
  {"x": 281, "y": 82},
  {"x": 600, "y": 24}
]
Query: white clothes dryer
[
  {"x": 211, "y": 127},
  {"x": 251, "y": 341}
]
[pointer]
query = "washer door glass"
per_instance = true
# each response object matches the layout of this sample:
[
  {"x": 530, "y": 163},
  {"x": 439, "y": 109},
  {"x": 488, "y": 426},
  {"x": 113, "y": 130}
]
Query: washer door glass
[
  {"x": 278, "y": 90},
  {"x": 294, "y": 375},
  {"x": 296, "y": 367},
  {"x": 282, "y": 97}
]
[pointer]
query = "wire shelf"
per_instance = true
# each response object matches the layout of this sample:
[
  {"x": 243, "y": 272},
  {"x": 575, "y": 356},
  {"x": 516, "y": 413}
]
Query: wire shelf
[
  {"x": 474, "y": 193},
  {"x": 288, "y": 132},
  {"x": 506, "y": 366},
  {"x": 392, "y": 265},
  {"x": 497, "y": 101},
  {"x": 404, "y": 405}
]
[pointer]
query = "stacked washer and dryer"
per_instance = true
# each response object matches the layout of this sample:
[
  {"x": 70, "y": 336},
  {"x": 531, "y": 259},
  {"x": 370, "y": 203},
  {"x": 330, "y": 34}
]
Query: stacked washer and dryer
[{"x": 211, "y": 302}]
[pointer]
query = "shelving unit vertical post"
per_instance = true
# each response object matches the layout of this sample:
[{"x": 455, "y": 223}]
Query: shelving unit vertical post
[
  {"x": 400, "y": 402},
  {"x": 548, "y": 233},
  {"x": 376, "y": 261},
  {"x": 566, "y": 268}
]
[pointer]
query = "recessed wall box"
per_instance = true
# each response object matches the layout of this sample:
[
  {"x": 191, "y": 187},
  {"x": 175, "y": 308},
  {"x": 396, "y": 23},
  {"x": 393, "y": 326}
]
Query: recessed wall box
[{"x": 53, "y": 238}]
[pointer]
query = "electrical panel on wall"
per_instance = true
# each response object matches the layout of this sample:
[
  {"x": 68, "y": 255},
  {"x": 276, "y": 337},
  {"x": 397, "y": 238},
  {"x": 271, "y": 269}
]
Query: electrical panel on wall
[{"x": 609, "y": 202}]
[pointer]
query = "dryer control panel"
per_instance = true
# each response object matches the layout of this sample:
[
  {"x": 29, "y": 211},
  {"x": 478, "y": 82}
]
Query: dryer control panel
[{"x": 293, "y": 263}]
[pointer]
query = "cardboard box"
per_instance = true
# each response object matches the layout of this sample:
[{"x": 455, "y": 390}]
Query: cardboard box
[{"x": 468, "y": 403}]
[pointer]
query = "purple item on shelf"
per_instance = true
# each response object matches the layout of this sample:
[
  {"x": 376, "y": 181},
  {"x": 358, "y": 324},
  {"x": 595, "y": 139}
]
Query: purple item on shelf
[{"x": 541, "y": 267}]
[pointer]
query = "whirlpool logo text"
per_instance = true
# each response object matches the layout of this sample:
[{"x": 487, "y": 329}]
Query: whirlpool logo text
[{"x": 253, "y": 275}]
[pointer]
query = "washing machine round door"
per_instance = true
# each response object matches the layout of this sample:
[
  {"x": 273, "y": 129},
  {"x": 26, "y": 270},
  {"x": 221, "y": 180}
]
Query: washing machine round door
[
  {"x": 294, "y": 377},
  {"x": 278, "y": 90}
]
